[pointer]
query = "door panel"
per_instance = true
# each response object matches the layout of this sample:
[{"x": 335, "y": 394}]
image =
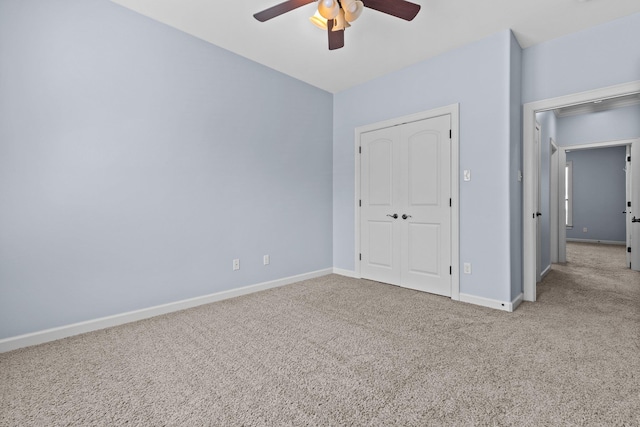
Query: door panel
[
  {"x": 635, "y": 206},
  {"x": 423, "y": 169},
  {"x": 424, "y": 249},
  {"x": 380, "y": 177},
  {"x": 627, "y": 209},
  {"x": 406, "y": 171},
  {"x": 538, "y": 204},
  {"x": 427, "y": 256},
  {"x": 380, "y": 244}
]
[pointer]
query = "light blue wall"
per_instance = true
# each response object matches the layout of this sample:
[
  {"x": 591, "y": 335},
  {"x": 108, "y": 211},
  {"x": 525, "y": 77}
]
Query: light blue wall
[
  {"x": 548, "y": 128},
  {"x": 515, "y": 166},
  {"x": 598, "y": 194},
  {"x": 616, "y": 124},
  {"x": 136, "y": 162},
  {"x": 476, "y": 76},
  {"x": 601, "y": 56}
]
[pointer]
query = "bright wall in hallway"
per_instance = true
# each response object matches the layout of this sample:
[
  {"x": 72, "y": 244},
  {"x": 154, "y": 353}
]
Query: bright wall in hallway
[
  {"x": 598, "y": 194},
  {"x": 610, "y": 125}
]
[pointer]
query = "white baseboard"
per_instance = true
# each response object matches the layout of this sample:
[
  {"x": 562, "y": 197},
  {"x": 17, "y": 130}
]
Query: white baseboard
[
  {"x": 346, "y": 273},
  {"x": 491, "y": 303},
  {"x": 604, "y": 242},
  {"x": 13, "y": 343},
  {"x": 516, "y": 302},
  {"x": 545, "y": 272}
]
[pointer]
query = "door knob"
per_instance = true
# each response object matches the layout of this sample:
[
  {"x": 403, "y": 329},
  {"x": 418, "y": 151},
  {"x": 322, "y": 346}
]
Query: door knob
[
  {"x": 394, "y": 216},
  {"x": 405, "y": 216}
]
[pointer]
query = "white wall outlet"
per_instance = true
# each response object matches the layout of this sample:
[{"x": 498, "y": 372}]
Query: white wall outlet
[
  {"x": 236, "y": 264},
  {"x": 467, "y": 175},
  {"x": 467, "y": 268},
  {"x": 584, "y": 229},
  {"x": 266, "y": 260}
]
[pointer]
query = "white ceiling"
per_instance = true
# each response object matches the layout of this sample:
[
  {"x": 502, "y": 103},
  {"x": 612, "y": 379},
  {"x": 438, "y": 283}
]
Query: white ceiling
[{"x": 376, "y": 44}]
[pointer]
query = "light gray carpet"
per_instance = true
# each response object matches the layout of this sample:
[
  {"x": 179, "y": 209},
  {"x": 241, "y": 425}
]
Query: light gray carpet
[{"x": 338, "y": 351}]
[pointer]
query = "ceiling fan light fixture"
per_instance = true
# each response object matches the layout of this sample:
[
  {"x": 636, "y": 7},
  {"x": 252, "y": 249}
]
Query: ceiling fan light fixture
[
  {"x": 340, "y": 23},
  {"x": 348, "y": 5},
  {"x": 328, "y": 12},
  {"x": 352, "y": 16},
  {"x": 319, "y": 21}
]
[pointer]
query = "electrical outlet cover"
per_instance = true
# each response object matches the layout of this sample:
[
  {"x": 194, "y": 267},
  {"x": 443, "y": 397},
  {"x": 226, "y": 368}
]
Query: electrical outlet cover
[{"x": 467, "y": 268}]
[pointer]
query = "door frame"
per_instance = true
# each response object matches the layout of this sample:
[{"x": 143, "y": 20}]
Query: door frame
[
  {"x": 454, "y": 111},
  {"x": 594, "y": 146},
  {"x": 528, "y": 163},
  {"x": 554, "y": 200},
  {"x": 537, "y": 153}
]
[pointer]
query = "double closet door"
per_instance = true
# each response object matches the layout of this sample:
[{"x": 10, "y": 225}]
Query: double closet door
[{"x": 405, "y": 213}]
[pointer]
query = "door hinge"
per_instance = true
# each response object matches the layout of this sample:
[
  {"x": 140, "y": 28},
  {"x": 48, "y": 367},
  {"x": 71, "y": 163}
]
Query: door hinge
[
  {"x": 629, "y": 250},
  {"x": 450, "y": 133},
  {"x": 628, "y": 158},
  {"x": 628, "y": 204},
  {"x": 360, "y": 204},
  {"x": 450, "y": 271},
  {"x": 360, "y": 257},
  {"x": 449, "y": 202},
  {"x": 360, "y": 150}
]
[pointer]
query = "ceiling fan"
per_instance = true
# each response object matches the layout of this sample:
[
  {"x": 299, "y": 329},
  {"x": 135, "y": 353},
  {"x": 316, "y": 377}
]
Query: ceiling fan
[{"x": 335, "y": 15}]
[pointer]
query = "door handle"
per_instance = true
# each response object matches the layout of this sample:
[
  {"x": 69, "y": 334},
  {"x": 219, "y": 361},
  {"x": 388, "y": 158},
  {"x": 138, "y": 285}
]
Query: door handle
[
  {"x": 405, "y": 216},
  {"x": 538, "y": 213},
  {"x": 634, "y": 219},
  {"x": 394, "y": 216}
]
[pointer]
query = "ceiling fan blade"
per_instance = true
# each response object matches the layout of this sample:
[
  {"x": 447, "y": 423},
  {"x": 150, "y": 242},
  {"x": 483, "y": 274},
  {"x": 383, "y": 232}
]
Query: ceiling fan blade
[
  {"x": 336, "y": 38},
  {"x": 399, "y": 8},
  {"x": 279, "y": 9}
]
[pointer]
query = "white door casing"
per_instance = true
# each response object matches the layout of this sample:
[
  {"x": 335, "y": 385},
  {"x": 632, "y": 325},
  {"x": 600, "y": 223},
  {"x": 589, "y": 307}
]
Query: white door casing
[
  {"x": 562, "y": 248},
  {"x": 405, "y": 214},
  {"x": 554, "y": 200},
  {"x": 562, "y": 214},
  {"x": 415, "y": 225}
]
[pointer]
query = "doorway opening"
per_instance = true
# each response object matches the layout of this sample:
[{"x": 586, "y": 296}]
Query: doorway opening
[{"x": 532, "y": 178}]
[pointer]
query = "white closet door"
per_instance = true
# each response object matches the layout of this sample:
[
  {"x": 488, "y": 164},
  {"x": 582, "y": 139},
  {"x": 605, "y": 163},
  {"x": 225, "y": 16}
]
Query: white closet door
[
  {"x": 379, "y": 191},
  {"x": 406, "y": 171},
  {"x": 426, "y": 184}
]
